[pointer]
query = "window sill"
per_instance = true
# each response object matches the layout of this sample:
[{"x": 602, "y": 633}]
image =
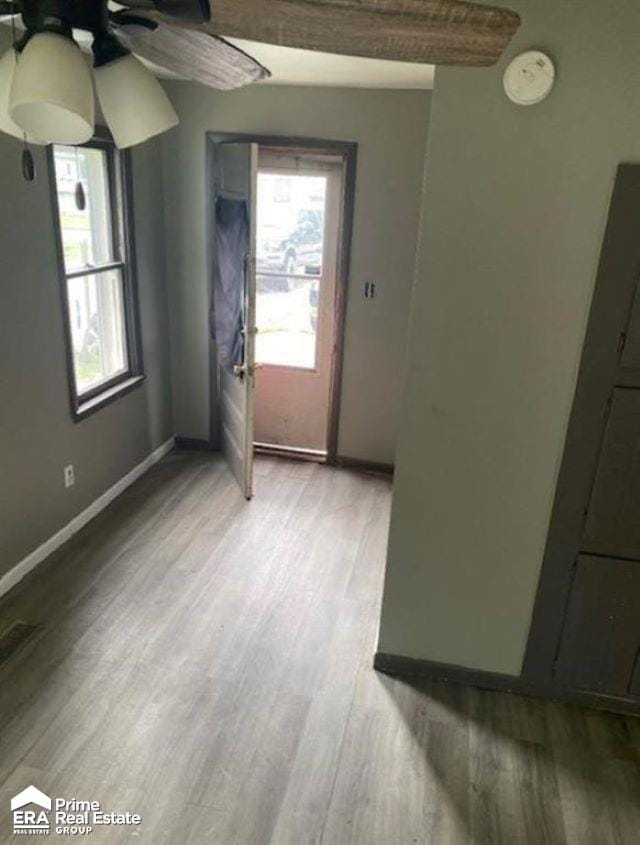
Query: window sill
[{"x": 85, "y": 409}]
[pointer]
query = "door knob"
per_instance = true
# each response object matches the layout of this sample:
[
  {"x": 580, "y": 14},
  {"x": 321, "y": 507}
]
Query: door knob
[{"x": 241, "y": 369}]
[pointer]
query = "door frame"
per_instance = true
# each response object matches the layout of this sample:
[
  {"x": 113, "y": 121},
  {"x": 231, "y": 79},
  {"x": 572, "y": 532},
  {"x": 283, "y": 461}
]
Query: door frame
[{"x": 348, "y": 151}]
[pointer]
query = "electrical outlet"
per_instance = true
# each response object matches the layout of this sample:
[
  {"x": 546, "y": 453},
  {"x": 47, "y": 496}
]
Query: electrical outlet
[{"x": 69, "y": 476}]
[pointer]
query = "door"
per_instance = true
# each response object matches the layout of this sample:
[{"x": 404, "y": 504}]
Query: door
[
  {"x": 585, "y": 631},
  {"x": 234, "y": 302},
  {"x": 298, "y": 225}
]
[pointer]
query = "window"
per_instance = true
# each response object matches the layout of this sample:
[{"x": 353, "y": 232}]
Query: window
[
  {"x": 96, "y": 266},
  {"x": 290, "y": 251}
]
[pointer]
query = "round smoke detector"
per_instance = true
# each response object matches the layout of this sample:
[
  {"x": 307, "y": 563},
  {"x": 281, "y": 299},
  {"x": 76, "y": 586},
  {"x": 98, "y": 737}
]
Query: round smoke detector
[{"x": 529, "y": 78}]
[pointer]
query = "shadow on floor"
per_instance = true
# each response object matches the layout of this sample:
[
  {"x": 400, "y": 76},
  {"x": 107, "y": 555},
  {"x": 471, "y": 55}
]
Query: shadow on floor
[{"x": 514, "y": 769}]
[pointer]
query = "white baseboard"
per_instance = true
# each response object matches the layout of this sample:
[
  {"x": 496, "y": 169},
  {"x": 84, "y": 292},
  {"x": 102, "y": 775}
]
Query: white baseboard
[{"x": 17, "y": 573}]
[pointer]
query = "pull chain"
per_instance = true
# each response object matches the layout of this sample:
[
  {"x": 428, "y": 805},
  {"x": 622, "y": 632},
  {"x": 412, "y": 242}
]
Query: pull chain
[
  {"x": 28, "y": 164},
  {"x": 81, "y": 199}
]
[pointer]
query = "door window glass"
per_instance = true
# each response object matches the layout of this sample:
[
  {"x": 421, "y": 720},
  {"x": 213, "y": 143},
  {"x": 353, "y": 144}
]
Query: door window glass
[{"x": 290, "y": 244}]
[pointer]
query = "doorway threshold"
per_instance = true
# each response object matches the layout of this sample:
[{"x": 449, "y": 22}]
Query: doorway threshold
[{"x": 295, "y": 452}]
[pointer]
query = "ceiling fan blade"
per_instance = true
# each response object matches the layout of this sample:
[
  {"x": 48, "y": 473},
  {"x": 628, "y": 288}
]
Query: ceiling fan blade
[
  {"x": 191, "y": 53},
  {"x": 445, "y": 32}
]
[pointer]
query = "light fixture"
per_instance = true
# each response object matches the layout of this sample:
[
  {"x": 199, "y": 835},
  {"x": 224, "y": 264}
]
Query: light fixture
[
  {"x": 132, "y": 100},
  {"x": 7, "y": 68},
  {"x": 52, "y": 95},
  {"x": 8, "y": 64},
  {"x": 47, "y": 84}
]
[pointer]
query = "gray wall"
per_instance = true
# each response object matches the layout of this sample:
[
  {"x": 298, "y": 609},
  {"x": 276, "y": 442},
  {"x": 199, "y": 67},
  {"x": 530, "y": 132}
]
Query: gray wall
[
  {"x": 390, "y": 128},
  {"x": 515, "y": 210},
  {"x": 37, "y": 434}
]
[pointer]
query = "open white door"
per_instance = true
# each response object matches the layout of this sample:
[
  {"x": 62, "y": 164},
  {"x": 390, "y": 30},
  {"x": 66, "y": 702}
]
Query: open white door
[{"x": 234, "y": 301}]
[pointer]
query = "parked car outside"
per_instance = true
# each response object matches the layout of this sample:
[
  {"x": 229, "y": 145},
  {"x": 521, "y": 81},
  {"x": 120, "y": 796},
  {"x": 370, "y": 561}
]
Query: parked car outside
[{"x": 299, "y": 252}]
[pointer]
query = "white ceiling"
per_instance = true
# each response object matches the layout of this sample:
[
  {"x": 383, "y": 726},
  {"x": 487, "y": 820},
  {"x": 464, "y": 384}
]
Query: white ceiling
[{"x": 290, "y": 66}]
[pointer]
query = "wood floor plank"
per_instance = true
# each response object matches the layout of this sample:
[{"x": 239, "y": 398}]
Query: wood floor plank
[{"x": 207, "y": 662}]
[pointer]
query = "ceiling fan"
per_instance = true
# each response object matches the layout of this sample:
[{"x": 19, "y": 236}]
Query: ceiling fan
[{"x": 46, "y": 90}]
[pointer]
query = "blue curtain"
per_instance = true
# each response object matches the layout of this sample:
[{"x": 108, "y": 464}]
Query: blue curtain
[{"x": 231, "y": 247}]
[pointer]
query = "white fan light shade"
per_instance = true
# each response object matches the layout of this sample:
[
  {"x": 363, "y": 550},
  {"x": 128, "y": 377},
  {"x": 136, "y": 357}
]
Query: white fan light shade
[
  {"x": 133, "y": 102},
  {"x": 8, "y": 64},
  {"x": 52, "y": 95},
  {"x": 7, "y": 68}
]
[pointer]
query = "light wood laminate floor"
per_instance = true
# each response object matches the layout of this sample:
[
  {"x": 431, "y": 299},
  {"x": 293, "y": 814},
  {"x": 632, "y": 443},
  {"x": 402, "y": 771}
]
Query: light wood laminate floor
[{"x": 206, "y": 662}]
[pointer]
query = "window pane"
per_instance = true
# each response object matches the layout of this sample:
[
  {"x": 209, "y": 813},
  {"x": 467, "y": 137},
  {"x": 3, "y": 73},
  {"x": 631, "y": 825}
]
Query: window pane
[
  {"x": 286, "y": 316},
  {"x": 290, "y": 223},
  {"x": 86, "y": 235},
  {"x": 97, "y": 319}
]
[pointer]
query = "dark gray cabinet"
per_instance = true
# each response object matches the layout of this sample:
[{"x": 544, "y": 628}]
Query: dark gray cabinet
[
  {"x": 585, "y": 630},
  {"x": 612, "y": 524},
  {"x": 601, "y": 634},
  {"x": 630, "y": 340}
]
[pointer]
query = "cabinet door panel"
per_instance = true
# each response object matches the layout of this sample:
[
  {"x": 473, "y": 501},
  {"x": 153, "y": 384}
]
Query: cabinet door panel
[
  {"x": 631, "y": 352},
  {"x": 613, "y": 521},
  {"x": 601, "y": 634}
]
